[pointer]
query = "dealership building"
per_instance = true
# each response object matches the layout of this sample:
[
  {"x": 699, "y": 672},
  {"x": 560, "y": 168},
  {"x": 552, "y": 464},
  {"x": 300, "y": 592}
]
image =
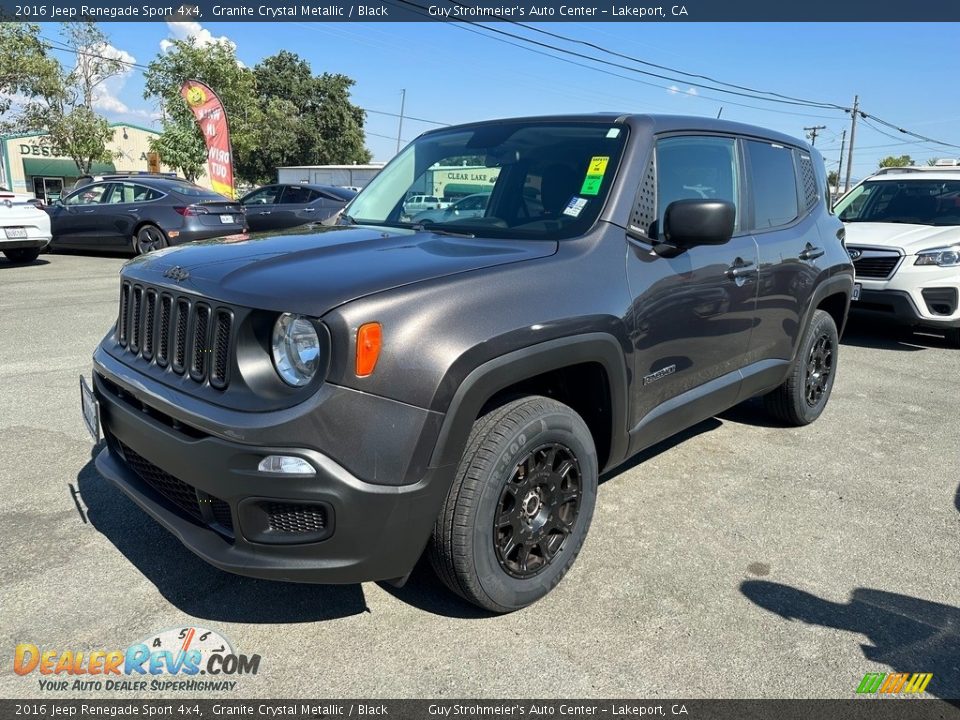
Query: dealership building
[{"x": 28, "y": 164}]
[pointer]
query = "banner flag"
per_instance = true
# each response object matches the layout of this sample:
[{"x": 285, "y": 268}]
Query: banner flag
[{"x": 212, "y": 119}]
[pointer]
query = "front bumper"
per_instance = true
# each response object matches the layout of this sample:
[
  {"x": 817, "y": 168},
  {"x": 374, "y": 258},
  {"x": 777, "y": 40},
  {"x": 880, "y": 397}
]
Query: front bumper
[
  {"x": 370, "y": 532},
  {"x": 914, "y": 295}
]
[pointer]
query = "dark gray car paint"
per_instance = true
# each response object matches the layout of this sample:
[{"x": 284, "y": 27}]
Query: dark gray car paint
[{"x": 465, "y": 318}]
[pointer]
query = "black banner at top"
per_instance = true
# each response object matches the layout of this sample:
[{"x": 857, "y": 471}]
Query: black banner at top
[{"x": 633, "y": 11}]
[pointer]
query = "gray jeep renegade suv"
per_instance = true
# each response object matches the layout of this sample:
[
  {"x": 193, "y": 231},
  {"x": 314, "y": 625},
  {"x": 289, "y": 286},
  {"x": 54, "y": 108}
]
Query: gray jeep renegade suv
[{"x": 325, "y": 407}]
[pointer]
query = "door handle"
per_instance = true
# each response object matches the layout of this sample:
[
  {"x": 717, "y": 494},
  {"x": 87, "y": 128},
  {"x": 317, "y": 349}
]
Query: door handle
[
  {"x": 264, "y": 212},
  {"x": 740, "y": 269},
  {"x": 811, "y": 253},
  {"x": 87, "y": 212},
  {"x": 309, "y": 209},
  {"x": 133, "y": 210}
]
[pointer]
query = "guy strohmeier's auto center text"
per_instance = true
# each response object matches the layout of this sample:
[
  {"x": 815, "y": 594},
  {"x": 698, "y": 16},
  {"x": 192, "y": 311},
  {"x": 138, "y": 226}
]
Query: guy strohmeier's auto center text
[{"x": 346, "y": 11}]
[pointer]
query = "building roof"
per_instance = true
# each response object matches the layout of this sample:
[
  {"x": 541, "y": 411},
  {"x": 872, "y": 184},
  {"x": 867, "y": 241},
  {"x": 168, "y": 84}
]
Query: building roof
[
  {"x": 39, "y": 133},
  {"x": 368, "y": 166}
]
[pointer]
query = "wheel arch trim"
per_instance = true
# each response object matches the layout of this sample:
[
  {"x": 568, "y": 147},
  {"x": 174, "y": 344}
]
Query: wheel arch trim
[{"x": 489, "y": 378}]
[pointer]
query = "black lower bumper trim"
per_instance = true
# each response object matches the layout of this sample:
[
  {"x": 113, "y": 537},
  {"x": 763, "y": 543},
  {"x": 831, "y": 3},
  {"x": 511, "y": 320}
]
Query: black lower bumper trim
[
  {"x": 897, "y": 306},
  {"x": 379, "y": 534}
]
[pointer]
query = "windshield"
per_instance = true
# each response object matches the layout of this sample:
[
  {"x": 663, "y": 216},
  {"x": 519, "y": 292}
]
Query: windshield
[
  {"x": 544, "y": 180},
  {"x": 915, "y": 202}
]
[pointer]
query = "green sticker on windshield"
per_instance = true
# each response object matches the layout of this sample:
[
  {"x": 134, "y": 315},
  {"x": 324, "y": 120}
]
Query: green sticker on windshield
[{"x": 594, "y": 178}]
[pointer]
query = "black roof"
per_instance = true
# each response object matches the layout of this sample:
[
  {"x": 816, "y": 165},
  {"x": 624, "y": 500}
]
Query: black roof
[{"x": 653, "y": 122}]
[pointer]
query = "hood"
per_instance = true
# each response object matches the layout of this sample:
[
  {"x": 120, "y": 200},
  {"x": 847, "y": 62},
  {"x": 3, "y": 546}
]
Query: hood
[
  {"x": 909, "y": 238},
  {"x": 315, "y": 272}
]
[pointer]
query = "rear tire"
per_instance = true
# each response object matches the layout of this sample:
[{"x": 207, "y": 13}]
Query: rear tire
[
  {"x": 802, "y": 397},
  {"x": 22, "y": 255},
  {"x": 148, "y": 239},
  {"x": 520, "y": 506}
]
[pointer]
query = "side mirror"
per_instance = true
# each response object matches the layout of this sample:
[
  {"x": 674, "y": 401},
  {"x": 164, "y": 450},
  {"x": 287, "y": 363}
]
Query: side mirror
[{"x": 688, "y": 223}]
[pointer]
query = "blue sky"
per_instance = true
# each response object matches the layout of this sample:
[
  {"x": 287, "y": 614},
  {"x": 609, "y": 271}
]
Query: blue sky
[{"x": 904, "y": 73}]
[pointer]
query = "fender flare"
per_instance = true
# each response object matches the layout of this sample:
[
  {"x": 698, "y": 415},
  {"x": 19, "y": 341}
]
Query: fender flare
[
  {"x": 494, "y": 375},
  {"x": 839, "y": 284}
]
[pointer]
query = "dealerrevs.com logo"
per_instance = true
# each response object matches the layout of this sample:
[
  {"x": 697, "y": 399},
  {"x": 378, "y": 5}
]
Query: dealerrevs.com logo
[{"x": 187, "y": 659}]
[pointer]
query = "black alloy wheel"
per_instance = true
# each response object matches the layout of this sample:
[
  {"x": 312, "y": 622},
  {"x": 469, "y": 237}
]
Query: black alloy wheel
[
  {"x": 819, "y": 369},
  {"x": 537, "y": 510}
]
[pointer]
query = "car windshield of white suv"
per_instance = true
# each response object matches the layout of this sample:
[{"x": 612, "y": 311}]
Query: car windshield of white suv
[
  {"x": 913, "y": 202},
  {"x": 539, "y": 180}
]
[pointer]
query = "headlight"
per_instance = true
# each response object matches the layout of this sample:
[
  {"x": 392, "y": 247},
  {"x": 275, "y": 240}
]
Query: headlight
[
  {"x": 296, "y": 349},
  {"x": 944, "y": 257}
]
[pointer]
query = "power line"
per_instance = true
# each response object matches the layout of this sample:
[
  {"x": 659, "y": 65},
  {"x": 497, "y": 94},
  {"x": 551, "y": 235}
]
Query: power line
[{"x": 666, "y": 68}]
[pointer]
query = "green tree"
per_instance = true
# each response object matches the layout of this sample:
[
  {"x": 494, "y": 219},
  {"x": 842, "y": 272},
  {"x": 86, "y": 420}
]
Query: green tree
[
  {"x": 891, "y": 161},
  {"x": 59, "y": 100},
  {"x": 26, "y": 68},
  {"x": 180, "y": 143},
  {"x": 833, "y": 179},
  {"x": 306, "y": 119}
]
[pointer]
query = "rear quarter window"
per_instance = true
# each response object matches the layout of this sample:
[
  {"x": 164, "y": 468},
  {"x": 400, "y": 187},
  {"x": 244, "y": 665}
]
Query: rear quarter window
[{"x": 773, "y": 183}]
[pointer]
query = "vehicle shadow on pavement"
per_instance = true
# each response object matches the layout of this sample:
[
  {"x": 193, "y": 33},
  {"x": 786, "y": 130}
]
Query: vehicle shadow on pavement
[
  {"x": 908, "y": 634},
  {"x": 651, "y": 452},
  {"x": 7, "y": 265},
  {"x": 875, "y": 335},
  {"x": 193, "y": 586},
  {"x": 426, "y": 592}
]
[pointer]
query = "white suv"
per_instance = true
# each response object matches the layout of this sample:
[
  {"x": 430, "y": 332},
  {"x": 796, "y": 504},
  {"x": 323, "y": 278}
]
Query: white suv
[{"x": 903, "y": 235}]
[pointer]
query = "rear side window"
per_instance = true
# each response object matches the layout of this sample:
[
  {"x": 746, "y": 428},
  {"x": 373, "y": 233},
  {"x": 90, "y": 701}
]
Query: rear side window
[
  {"x": 773, "y": 180},
  {"x": 297, "y": 195}
]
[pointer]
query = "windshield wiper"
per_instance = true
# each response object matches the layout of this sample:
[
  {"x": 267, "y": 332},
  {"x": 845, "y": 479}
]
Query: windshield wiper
[
  {"x": 346, "y": 220},
  {"x": 430, "y": 227}
]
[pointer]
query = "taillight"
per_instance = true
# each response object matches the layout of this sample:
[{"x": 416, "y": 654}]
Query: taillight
[{"x": 191, "y": 211}]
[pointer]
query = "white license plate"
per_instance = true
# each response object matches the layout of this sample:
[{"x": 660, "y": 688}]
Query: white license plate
[
  {"x": 856, "y": 291},
  {"x": 226, "y": 219},
  {"x": 91, "y": 410},
  {"x": 14, "y": 233}
]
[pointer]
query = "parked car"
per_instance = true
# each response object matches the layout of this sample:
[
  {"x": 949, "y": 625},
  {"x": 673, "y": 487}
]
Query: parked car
[
  {"x": 25, "y": 227},
  {"x": 903, "y": 233},
  {"x": 418, "y": 203},
  {"x": 322, "y": 407},
  {"x": 470, "y": 206},
  {"x": 277, "y": 207},
  {"x": 142, "y": 213}
]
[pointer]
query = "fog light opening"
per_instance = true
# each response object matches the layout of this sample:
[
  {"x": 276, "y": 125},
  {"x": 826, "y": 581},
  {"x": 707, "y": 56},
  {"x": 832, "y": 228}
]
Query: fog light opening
[{"x": 286, "y": 464}]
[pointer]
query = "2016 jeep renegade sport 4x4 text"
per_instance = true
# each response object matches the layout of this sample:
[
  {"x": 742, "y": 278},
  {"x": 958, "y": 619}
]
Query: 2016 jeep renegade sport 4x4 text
[{"x": 325, "y": 407}]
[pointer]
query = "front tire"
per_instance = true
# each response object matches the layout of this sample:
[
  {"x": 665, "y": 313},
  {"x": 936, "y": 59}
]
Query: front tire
[
  {"x": 802, "y": 397},
  {"x": 520, "y": 505},
  {"x": 148, "y": 239},
  {"x": 22, "y": 255}
]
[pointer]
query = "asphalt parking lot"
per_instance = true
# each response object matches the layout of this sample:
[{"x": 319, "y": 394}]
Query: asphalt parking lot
[{"x": 740, "y": 560}]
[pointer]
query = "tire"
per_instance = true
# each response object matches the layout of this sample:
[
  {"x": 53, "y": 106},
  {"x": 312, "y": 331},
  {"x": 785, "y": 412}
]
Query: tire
[
  {"x": 533, "y": 464},
  {"x": 148, "y": 239},
  {"x": 22, "y": 255},
  {"x": 804, "y": 394}
]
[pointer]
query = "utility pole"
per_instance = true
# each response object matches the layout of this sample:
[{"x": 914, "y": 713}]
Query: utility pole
[
  {"x": 403, "y": 101},
  {"x": 812, "y": 132},
  {"x": 853, "y": 132},
  {"x": 843, "y": 140}
]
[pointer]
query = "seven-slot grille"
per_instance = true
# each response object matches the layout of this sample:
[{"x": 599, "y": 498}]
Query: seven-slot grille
[
  {"x": 190, "y": 337},
  {"x": 875, "y": 264}
]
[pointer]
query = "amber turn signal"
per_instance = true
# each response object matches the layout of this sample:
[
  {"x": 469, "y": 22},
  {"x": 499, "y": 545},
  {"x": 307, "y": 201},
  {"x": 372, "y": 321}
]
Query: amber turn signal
[{"x": 368, "y": 348}]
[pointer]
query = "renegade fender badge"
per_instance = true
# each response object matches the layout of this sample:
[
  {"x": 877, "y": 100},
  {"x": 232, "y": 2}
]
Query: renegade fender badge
[{"x": 661, "y": 373}]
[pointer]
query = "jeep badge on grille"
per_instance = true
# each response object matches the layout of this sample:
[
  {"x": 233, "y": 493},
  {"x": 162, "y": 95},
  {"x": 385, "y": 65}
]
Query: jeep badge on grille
[{"x": 177, "y": 273}]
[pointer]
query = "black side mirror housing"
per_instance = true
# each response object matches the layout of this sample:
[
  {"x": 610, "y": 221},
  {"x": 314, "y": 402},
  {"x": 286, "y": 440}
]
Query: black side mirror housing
[{"x": 688, "y": 223}]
